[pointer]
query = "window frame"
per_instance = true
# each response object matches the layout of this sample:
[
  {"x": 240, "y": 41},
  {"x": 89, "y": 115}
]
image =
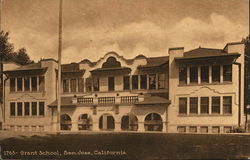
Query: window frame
[
  {"x": 183, "y": 107},
  {"x": 191, "y": 107}
]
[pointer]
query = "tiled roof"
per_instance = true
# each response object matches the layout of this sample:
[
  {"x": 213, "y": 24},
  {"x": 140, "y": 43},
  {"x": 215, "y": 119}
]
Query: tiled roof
[
  {"x": 154, "y": 100},
  {"x": 204, "y": 52},
  {"x": 31, "y": 66},
  {"x": 72, "y": 67},
  {"x": 155, "y": 61},
  {"x": 65, "y": 101}
]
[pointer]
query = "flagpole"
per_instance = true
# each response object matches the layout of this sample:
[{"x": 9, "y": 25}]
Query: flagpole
[{"x": 59, "y": 68}]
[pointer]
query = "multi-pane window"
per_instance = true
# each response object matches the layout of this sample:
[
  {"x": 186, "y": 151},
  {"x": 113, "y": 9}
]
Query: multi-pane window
[
  {"x": 89, "y": 84},
  {"x": 227, "y": 105},
  {"x": 41, "y": 108},
  {"x": 111, "y": 83},
  {"x": 26, "y": 108},
  {"x": 12, "y": 109},
  {"x": 193, "y": 105},
  {"x": 41, "y": 83},
  {"x": 182, "y": 105},
  {"x": 81, "y": 85},
  {"x": 204, "y": 105},
  {"x": 72, "y": 85},
  {"x": 227, "y": 129},
  {"x": 96, "y": 83},
  {"x": 216, "y": 73},
  {"x": 26, "y": 83},
  {"x": 19, "y": 108},
  {"x": 193, "y": 74},
  {"x": 19, "y": 84},
  {"x": 215, "y": 129},
  {"x": 192, "y": 129},
  {"x": 126, "y": 83},
  {"x": 65, "y": 85},
  {"x": 204, "y": 129},
  {"x": 33, "y": 108},
  {"x": 152, "y": 81},
  {"x": 204, "y": 74},
  {"x": 216, "y": 105},
  {"x": 227, "y": 73},
  {"x": 161, "y": 81},
  {"x": 34, "y": 83},
  {"x": 12, "y": 84},
  {"x": 143, "y": 81},
  {"x": 183, "y": 75},
  {"x": 181, "y": 129},
  {"x": 135, "y": 82}
]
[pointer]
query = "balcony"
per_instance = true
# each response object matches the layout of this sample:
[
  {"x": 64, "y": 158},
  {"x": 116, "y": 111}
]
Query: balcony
[{"x": 109, "y": 100}]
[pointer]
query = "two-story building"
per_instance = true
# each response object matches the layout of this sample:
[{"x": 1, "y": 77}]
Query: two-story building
[{"x": 198, "y": 91}]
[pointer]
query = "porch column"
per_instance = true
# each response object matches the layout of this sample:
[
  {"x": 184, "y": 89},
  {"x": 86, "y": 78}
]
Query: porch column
[
  {"x": 74, "y": 126},
  {"x": 118, "y": 126},
  {"x": 95, "y": 124},
  {"x": 141, "y": 127},
  {"x": 164, "y": 126}
]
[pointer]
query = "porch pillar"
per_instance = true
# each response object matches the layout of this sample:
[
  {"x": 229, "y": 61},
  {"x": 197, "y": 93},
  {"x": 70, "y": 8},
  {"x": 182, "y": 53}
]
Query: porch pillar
[
  {"x": 74, "y": 126},
  {"x": 141, "y": 127},
  {"x": 117, "y": 126}
]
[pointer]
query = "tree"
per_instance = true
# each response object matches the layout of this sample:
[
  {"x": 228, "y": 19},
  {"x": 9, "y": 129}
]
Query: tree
[{"x": 22, "y": 57}]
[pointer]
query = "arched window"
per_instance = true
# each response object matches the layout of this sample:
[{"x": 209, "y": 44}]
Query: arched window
[
  {"x": 65, "y": 122},
  {"x": 84, "y": 122},
  {"x": 129, "y": 122},
  {"x": 107, "y": 122},
  {"x": 153, "y": 122}
]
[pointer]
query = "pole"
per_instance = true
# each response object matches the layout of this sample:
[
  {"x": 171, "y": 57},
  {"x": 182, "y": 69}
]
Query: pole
[{"x": 59, "y": 68}]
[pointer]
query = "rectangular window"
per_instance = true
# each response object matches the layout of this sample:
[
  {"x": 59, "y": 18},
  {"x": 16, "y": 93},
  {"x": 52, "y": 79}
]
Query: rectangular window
[
  {"x": 34, "y": 83},
  {"x": 182, "y": 105},
  {"x": 143, "y": 81},
  {"x": 34, "y": 108},
  {"x": 227, "y": 129},
  {"x": 41, "y": 83},
  {"x": 193, "y": 74},
  {"x": 204, "y": 105},
  {"x": 26, "y": 108},
  {"x": 96, "y": 83},
  {"x": 152, "y": 81},
  {"x": 135, "y": 82},
  {"x": 41, "y": 108},
  {"x": 227, "y": 105},
  {"x": 192, "y": 129},
  {"x": 181, "y": 129},
  {"x": 204, "y": 129},
  {"x": 12, "y": 84},
  {"x": 19, "y": 108},
  {"x": 216, "y": 73},
  {"x": 73, "y": 85},
  {"x": 126, "y": 83},
  {"x": 216, "y": 105},
  {"x": 81, "y": 85},
  {"x": 88, "y": 84},
  {"x": 161, "y": 81},
  {"x": 215, "y": 129},
  {"x": 12, "y": 108},
  {"x": 19, "y": 84},
  {"x": 227, "y": 73},
  {"x": 193, "y": 105},
  {"x": 65, "y": 85},
  {"x": 204, "y": 74},
  {"x": 26, "y": 83},
  {"x": 111, "y": 83},
  {"x": 183, "y": 75}
]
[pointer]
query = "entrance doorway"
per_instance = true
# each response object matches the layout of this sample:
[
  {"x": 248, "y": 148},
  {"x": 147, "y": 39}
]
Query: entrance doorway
[{"x": 106, "y": 122}]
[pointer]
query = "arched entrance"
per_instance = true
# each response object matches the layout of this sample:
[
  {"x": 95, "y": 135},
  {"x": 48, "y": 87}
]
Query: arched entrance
[
  {"x": 84, "y": 122},
  {"x": 153, "y": 122},
  {"x": 107, "y": 122},
  {"x": 65, "y": 122},
  {"x": 129, "y": 122}
]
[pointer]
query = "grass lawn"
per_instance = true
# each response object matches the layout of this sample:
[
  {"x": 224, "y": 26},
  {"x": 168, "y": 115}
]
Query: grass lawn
[{"x": 129, "y": 146}]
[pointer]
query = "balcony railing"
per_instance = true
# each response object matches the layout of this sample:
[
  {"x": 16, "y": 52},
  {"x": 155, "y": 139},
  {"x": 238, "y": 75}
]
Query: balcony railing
[
  {"x": 85, "y": 100},
  {"x": 129, "y": 99},
  {"x": 108, "y": 100},
  {"x": 104, "y": 100}
]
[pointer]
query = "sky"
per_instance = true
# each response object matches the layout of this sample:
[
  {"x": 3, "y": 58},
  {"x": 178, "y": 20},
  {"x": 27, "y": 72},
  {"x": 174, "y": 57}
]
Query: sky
[{"x": 91, "y": 28}]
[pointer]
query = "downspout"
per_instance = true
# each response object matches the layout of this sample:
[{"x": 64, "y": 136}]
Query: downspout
[{"x": 239, "y": 96}]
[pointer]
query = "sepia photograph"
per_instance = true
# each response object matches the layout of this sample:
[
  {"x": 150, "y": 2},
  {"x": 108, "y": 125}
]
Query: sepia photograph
[{"x": 124, "y": 79}]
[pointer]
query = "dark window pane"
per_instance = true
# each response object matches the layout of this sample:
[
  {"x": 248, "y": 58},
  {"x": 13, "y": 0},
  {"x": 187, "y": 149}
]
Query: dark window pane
[
  {"x": 12, "y": 109},
  {"x": 19, "y": 108},
  {"x": 204, "y": 104},
  {"x": 41, "y": 108},
  {"x": 183, "y": 75},
  {"x": 193, "y": 105},
  {"x": 182, "y": 105},
  {"x": 26, "y": 108},
  {"x": 81, "y": 85},
  {"x": 34, "y": 108},
  {"x": 89, "y": 84},
  {"x": 111, "y": 83},
  {"x": 135, "y": 82},
  {"x": 161, "y": 81},
  {"x": 143, "y": 81},
  {"x": 152, "y": 81},
  {"x": 73, "y": 85},
  {"x": 96, "y": 83},
  {"x": 204, "y": 74},
  {"x": 216, "y": 73},
  {"x": 12, "y": 84},
  {"x": 216, "y": 105},
  {"x": 19, "y": 84},
  {"x": 26, "y": 83},
  {"x": 34, "y": 83},
  {"x": 193, "y": 74},
  {"x": 41, "y": 83},
  {"x": 227, "y": 105},
  {"x": 65, "y": 85},
  {"x": 126, "y": 83},
  {"x": 227, "y": 73}
]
